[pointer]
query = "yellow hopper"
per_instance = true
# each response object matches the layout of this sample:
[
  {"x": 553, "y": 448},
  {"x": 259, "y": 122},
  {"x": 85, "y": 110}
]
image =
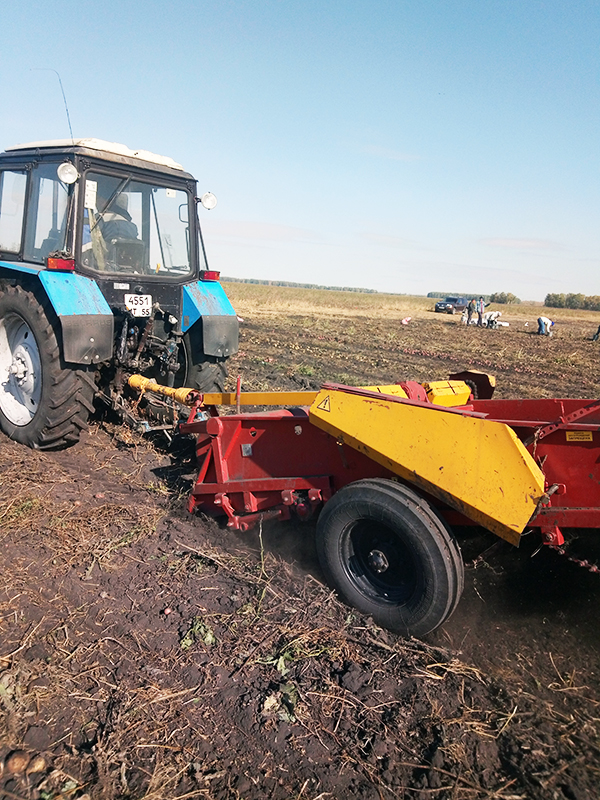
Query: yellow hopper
[{"x": 477, "y": 466}]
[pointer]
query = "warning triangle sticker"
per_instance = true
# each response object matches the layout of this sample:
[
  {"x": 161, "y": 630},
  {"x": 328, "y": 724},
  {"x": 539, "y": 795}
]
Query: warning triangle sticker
[{"x": 324, "y": 404}]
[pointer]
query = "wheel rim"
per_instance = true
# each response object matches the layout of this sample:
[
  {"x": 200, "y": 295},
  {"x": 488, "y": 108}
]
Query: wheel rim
[
  {"x": 379, "y": 563},
  {"x": 20, "y": 371}
]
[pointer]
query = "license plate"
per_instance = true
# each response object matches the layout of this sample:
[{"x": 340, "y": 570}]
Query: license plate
[{"x": 140, "y": 305}]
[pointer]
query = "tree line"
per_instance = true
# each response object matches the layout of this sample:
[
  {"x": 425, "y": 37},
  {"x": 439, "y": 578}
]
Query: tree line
[
  {"x": 589, "y": 302},
  {"x": 299, "y": 285}
]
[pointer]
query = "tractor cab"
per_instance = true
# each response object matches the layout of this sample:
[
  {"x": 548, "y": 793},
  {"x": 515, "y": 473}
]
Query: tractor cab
[{"x": 102, "y": 210}]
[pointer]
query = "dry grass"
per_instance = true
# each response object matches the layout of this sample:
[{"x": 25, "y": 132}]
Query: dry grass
[{"x": 275, "y": 301}]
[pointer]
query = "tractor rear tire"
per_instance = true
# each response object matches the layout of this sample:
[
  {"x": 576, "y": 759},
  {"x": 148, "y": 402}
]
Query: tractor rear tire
[
  {"x": 207, "y": 376},
  {"x": 44, "y": 403},
  {"x": 390, "y": 555}
]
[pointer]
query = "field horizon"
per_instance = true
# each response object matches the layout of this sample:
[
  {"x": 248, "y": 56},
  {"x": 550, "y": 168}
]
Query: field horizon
[{"x": 267, "y": 299}]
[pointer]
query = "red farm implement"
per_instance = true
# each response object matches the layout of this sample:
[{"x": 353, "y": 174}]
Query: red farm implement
[{"x": 389, "y": 470}]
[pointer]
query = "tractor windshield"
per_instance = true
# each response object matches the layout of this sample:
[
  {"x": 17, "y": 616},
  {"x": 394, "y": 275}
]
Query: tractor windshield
[{"x": 137, "y": 228}]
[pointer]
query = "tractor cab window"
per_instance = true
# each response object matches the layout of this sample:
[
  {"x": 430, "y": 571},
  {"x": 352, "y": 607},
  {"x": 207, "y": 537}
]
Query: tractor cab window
[
  {"x": 12, "y": 206},
  {"x": 46, "y": 214},
  {"x": 134, "y": 227}
]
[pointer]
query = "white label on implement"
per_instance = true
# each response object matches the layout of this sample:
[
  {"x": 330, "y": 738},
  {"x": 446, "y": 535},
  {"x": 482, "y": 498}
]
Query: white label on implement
[{"x": 140, "y": 305}]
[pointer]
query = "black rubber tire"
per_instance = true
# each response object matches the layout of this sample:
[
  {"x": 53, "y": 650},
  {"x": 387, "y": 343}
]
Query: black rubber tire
[
  {"x": 382, "y": 523},
  {"x": 473, "y": 387},
  {"x": 456, "y": 561},
  {"x": 62, "y": 399},
  {"x": 207, "y": 376}
]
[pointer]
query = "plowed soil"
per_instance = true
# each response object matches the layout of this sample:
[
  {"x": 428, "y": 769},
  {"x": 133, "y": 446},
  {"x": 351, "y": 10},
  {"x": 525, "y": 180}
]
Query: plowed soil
[{"x": 145, "y": 653}]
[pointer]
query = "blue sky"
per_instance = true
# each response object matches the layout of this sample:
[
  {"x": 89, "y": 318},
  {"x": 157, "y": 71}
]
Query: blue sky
[{"x": 406, "y": 146}]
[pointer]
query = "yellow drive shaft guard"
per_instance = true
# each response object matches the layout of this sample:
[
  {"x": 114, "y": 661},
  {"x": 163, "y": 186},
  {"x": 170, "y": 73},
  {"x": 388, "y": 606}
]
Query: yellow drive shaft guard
[
  {"x": 477, "y": 466},
  {"x": 181, "y": 395}
]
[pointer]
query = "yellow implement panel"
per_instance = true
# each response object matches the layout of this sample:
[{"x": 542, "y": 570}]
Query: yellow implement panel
[
  {"x": 259, "y": 399},
  {"x": 393, "y": 389},
  {"x": 285, "y": 398},
  {"x": 476, "y": 466},
  {"x": 447, "y": 393}
]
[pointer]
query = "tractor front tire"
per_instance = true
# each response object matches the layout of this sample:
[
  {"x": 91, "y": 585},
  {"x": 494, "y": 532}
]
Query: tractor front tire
[
  {"x": 390, "y": 555},
  {"x": 44, "y": 403}
]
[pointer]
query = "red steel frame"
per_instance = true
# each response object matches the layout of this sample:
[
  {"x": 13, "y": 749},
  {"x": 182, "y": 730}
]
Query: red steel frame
[
  {"x": 261, "y": 465},
  {"x": 563, "y": 435}
]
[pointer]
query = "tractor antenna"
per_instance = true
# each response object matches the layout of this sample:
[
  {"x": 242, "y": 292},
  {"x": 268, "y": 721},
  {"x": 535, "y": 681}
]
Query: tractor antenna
[{"x": 49, "y": 69}]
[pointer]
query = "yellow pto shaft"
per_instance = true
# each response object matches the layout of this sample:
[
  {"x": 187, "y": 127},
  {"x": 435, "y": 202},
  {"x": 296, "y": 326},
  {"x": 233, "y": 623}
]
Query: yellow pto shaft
[
  {"x": 184, "y": 396},
  {"x": 476, "y": 466},
  {"x": 188, "y": 397}
]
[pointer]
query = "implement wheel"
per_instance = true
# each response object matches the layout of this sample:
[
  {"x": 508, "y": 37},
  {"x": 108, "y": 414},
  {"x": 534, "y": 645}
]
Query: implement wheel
[
  {"x": 43, "y": 403},
  {"x": 389, "y": 554}
]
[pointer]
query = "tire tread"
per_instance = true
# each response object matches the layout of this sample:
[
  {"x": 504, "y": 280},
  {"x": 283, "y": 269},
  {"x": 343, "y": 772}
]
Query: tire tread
[{"x": 72, "y": 388}]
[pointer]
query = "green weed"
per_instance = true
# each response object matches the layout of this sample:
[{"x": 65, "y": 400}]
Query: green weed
[{"x": 198, "y": 631}]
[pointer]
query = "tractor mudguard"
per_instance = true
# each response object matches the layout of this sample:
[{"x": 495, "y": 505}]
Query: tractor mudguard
[
  {"x": 86, "y": 320},
  {"x": 207, "y": 301}
]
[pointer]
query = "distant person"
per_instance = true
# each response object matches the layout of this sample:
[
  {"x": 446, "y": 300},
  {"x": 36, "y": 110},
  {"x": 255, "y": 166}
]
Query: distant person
[
  {"x": 545, "y": 326},
  {"x": 481, "y": 306},
  {"x": 470, "y": 310},
  {"x": 596, "y": 336},
  {"x": 490, "y": 319}
]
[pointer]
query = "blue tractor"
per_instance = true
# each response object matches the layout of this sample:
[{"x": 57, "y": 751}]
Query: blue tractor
[{"x": 103, "y": 273}]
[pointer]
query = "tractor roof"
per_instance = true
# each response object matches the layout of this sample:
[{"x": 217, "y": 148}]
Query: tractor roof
[{"x": 101, "y": 147}]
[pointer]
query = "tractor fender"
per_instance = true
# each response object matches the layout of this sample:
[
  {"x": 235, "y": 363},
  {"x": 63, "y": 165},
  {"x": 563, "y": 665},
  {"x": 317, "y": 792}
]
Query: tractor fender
[
  {"x": 86, "y": 320},
  {"x": 206, "y": 305}
]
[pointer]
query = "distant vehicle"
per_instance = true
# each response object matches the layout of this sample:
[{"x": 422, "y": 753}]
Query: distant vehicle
[{"x": 451, "y": 305}]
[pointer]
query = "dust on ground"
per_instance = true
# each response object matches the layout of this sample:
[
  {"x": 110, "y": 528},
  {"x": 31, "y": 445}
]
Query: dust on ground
[{"x": 148, "y": 654}]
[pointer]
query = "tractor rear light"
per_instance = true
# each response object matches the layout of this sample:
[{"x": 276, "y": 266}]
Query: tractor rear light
[
  {"x": 209, "y": 275},
  {"x": 61, "y": 264}
]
